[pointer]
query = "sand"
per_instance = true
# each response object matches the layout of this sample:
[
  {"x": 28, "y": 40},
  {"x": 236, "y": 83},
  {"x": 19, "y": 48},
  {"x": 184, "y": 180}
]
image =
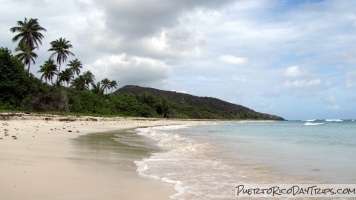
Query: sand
[{"x": 41, "y": 158}]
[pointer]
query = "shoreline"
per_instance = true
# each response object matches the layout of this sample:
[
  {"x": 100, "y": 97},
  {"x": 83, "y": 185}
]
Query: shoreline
[{"x": 40, "y": 161}]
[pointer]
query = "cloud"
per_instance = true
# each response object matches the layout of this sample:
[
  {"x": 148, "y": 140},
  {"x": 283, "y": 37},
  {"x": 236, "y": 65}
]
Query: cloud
[
  {"x": 333, "y": 107},
  {"x": 306, "y": 84},
  {"x": 239, "y": 79},
  {"x": 351, "y": 80},
  {"x": 331, "y": 99},
  {"x": 234, "y": 60},
  {"x": 293, "y": 72},
  {"x": 135, "y": 19},
  {"x": 149, "y": 29},
  {"x": 135, "y": 70}
]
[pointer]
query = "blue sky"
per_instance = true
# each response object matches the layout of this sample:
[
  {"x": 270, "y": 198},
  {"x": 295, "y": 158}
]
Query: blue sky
[{"x": 295, "y": 59}]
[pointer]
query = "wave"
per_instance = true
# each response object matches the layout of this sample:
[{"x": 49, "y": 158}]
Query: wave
[
  {"x": 313, "y": 124},
  {"x": 185, "y": 164},
  {"x": 309, "y": 120},
  {"x": 334, "y": 120}
]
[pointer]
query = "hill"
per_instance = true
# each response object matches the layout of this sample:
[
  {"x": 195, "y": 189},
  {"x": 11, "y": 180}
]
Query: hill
[{"x": 206, "y": 107}]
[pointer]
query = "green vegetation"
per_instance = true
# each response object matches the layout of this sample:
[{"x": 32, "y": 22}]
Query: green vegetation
[
  {"x": 180, "y": 105},
  {"x": 69, "y": 91}
]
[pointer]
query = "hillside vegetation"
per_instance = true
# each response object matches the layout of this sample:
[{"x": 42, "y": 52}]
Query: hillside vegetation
[{"x": 189, "y": 106}]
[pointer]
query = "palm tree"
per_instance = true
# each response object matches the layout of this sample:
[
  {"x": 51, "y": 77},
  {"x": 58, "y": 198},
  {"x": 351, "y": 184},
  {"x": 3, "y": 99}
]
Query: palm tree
[
  {"x": 75, "y": 66},
  {"x": 88, "y": 78},
  {"x": 29, "y": 33},
  {"x": 113, "y": 84},
  {"x": 48, "y": 70},
  {"x": 106, "y": 84},
  {"x": 65, "y": 76},
  {"x": 162, "y": 108},
  {"x": 60, "y": 47},
  {"x": 26, "y": 55},
  {"x": 97, "y": 88},
  {"x": 79, "y": 83}
]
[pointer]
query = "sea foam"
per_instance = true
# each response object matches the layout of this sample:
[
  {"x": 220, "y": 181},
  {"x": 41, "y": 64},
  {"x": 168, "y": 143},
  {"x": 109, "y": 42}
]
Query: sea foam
[
  {"x": 334, "y": 120},
  {"x": 309, "y": 120},
  {"x": 184, "y": 164},
  {"x": 313, "y": 124}
]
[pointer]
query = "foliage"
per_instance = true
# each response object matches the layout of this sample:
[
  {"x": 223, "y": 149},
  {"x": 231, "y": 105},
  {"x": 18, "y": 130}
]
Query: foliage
[
  {"x": 28, "y": 33},
  {"x": 55, "y": 99},
  {"x": 129, "y": 105},
  {"x": 13, "y": 80},
  {"x": 26, "y": 55},
  {"x": 180, "y": 105},
  {"x": 97, "y": 89},
  {"x": 162, "y": 107},
  {"x": 60, "y": 47},
  {"x": 75, "y": 66},
  {"x": 87, "y": 102},
  {"x": 88, "y": 78},
  {"x": 48, "y": 70},
  {"x": 65, "y": 76}
]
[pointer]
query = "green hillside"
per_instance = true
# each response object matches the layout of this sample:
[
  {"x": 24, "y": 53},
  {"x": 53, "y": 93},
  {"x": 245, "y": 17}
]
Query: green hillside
[{"x": 189, "y": 106}]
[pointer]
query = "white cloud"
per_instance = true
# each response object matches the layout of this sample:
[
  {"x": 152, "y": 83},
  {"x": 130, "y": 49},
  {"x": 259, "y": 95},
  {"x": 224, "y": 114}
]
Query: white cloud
[
  {"x": 307, "y": 84},
  {"x": 303, "y": 82},
  {"x": 234, "y": 60},
  {"x": 135, "y": 70},
  {"x": 293, "y": 72}
]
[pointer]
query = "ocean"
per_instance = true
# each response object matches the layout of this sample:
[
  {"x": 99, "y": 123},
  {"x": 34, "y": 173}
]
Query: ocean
[{"x": 208, "y": 161}]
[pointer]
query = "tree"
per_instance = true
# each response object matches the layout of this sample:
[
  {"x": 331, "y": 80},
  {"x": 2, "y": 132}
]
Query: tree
[
  {"x": 65, "y": 76},
  {"x": 162, "y": 107},
  {"x": 148, "y": 98},
  {"x": 105, "y": 84},
  {"x": 79, "y": 83},
  {"x": 75, "y": 66},
  {"x": 60, "y": 47},
  {"x": 113, "y": 84},
  {"x": 28, "y": 33},
  {"x": 48, "y": 70},
  {"x": 88, "y": 78},
  {"x": 13, "y": 80},
  {"x": 97, "y": 88},
  {"x": 26, "y": 55}
]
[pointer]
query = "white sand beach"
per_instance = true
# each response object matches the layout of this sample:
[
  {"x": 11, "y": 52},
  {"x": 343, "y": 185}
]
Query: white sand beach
[{"x": 38, "y": 160}]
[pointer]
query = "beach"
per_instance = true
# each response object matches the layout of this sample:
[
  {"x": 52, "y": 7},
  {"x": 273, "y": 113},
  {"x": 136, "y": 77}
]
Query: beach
[
  {"x": 65, "y": 157},
  {"x": 41, "y": 158}
]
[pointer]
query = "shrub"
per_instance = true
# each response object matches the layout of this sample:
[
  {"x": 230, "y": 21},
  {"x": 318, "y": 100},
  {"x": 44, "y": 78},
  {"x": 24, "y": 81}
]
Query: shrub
[
  {"x": 13, "y": 80},
  {"x": 128, "y": 104}
]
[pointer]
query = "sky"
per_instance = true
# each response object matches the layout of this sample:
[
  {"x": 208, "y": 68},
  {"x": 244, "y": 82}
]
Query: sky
[{"x": 291, "y": 58}]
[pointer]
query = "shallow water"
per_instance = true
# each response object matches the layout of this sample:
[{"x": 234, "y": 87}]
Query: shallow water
[
  {"x": 207, "y": 161},
  {"x": 119, "y": 148}
]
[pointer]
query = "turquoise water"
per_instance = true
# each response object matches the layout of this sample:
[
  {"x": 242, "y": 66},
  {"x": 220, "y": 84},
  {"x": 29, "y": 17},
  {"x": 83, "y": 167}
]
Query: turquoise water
[{"x": 208, "y": 160}]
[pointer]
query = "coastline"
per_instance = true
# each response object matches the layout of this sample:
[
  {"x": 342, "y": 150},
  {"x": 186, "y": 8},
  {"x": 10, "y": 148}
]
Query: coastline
[{"x": 40, "y": 161}]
